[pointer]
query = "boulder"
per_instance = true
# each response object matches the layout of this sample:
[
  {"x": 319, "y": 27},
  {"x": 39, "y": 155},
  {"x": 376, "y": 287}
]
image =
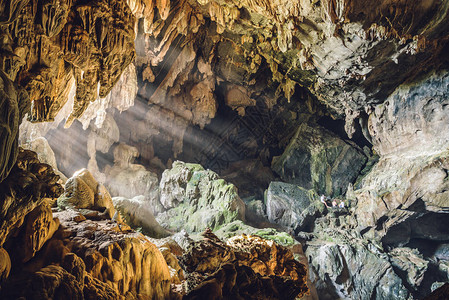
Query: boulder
[
  {"x": 137, "y": 213},
  {"x": 39, "y": 227},
  {"x": 292, "y": 206},
  {"x": 82, "y": 191},
  {"x": 318, "y": 159},
  {"x": 353, "y": 271},
  {"x": 197, "y": 199},
  {"x": 174, "y": 183}
]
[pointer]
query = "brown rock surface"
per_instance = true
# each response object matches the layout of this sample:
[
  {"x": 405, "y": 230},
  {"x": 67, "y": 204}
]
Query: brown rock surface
[
  {"x": 5, "y": 265},
  {"x": 50, "y": 282},
  {"x": 48, "y": 47},
  {"x": 39, "y": 227},
  {"x": 124, "y": 260},
  {"x": 239, "y": 269},
  {"x": 28, "y": 186}
]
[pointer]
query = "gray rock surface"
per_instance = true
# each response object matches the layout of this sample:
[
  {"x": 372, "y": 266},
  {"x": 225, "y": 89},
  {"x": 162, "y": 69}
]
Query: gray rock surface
[
  {"x": 352, "y": 271},
  {"x": 318, "y": 159},
  {"x": 292, "y": 206},
  {"x": 137, "y": 213},
  {"x": 128, "y": 180},
  {"x": 197, "y": 199}
]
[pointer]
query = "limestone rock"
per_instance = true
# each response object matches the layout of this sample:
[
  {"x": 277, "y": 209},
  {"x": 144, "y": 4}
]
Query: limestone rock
[
  {"x": 75, "y": 266},
  {"x": 50, "y": 282},
  {"x": 39, "y": 227},
  {"x": 228, "y": 268},
  {"x": 411, "y": 262},
  {"x": 137, "y": 213},
  {"x": 404, "y": 196},
  {"x": 128, "y": 180},
  {"x": 318, "y": 159},
  {"x": 117, "y": 260},
  {"x": 5, "y": 265},
  {"x": 83, "y": 191},
  {"x": 13, "y": 104},
  {"x": 174, "y": 182},
  {"x": 197, "y": 199},
  {"x": 232, "y": 281},
  {"x": 29, "y": 184},
  {"x": 96, "y": 289},
  {"x": 44, "y": 153},
  {"x": 292, "y": 206},
  {"x": 352, "y": 271}
]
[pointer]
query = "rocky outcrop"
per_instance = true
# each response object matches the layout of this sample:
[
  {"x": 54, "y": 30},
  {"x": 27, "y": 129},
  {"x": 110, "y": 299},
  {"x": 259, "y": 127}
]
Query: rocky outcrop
[
  {"x": 318, "y": 159},
  {"x": 127, "y": 262},
  {"x": 137, "y": 213},
  {"x": 82, "y": 191},
  {"x": 14, "y": 103},
  {"x": 30, "y": 183},
  {"x": 403, "y": 196},
  {"x": 39, "y": 226},
  {"x": 292, "y": 206},
  {"x": 230, "y": 269},
  {"x": 353, "y": 271},
  {"x": 127, "y": 179},
  {"x": 196, "y": 199},
  {"x": 76, "y": 252},
  {"x": 45, "y": 153}
]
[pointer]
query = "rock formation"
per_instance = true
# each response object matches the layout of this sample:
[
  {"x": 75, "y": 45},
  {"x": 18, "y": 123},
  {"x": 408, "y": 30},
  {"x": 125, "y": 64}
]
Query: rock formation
[
  {"x": 196, "y": 199},
  {"x": 285, "y": 100}
]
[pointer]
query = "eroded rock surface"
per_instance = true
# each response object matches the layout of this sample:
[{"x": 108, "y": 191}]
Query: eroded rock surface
[
  {"x": 229, "y": 270},
  {"x": 292, "y": 206},
  {"x": 82, "y": 191},
  {"x": 196, "y": 199},
  {"x": 318, "y": 159},
  {"x": 46, "y": 48},
  {"x": 28, "y": 186}
]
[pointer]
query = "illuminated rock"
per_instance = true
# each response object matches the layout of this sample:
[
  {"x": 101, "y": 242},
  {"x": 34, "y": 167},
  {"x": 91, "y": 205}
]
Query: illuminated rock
[{"x": 196, "y": 199}]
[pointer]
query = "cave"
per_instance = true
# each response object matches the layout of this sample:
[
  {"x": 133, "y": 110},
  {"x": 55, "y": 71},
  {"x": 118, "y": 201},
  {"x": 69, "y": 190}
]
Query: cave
[{"x": 187, "y": 149}]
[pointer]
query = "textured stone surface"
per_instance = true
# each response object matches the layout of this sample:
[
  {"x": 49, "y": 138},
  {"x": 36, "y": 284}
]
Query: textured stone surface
[
  {"x": 5, "y": 265},
  {"x": 124, "y": 260},
  {"x": 39, "y": 227},
  {"x": 197, "y": 199},
  {"x": 50, "y": 282},
  {"x": 127, "y": 179},
  {"x": 44, "y": 153},
  {"x": 46, "y": 49},
  {"x": 137, "y": 213},
  {"x": 228, "y": 269},
  {"x": 83, "y": 191},
  {"x": 29, "y": 184},
  {"x": 353, "y": 271},
  {"x": 318, "y": 159},
  {"x": 292, "y": 206}
]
